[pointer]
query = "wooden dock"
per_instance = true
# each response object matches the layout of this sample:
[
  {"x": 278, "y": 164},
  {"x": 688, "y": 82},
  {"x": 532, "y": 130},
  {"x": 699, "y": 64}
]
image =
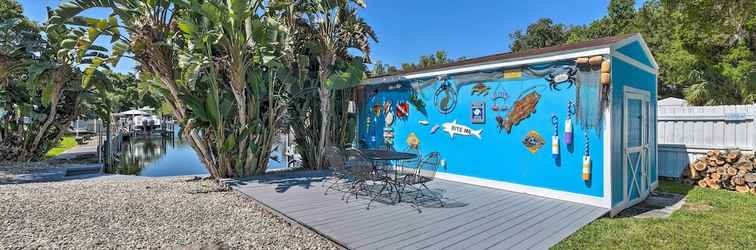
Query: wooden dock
[{"x": 475, "y": 217}]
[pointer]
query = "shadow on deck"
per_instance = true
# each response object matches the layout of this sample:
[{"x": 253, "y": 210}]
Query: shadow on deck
[{"x": 474, "y": 217}]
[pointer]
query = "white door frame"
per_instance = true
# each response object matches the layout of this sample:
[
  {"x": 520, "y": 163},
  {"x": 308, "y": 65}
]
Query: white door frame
[{"x": 643, "y": 185}]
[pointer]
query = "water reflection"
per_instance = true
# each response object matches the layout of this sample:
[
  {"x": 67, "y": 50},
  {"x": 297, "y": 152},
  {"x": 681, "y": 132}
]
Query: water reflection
[{"x": 165, "y": 156}]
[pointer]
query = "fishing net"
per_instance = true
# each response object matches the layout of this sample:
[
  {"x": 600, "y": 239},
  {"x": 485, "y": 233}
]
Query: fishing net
[{"x": 589, "y": 99}]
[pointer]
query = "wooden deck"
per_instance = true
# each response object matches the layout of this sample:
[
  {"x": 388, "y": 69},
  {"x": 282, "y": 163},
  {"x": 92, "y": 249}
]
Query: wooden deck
[{"x": 474, "y": 218}]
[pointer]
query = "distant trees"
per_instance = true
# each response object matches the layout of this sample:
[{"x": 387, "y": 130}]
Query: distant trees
[
  {"x": 542, "y": 33},
  {"x": 438, "y": 57},
  {"x": 705, "y": 49}
]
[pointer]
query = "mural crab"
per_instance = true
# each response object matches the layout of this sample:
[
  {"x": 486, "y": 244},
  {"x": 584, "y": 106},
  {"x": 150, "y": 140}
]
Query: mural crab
[{"x": 561, "y": 74}]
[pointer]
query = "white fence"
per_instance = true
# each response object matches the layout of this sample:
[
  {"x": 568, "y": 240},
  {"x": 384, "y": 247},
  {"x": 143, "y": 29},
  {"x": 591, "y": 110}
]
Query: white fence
[{"x": 684, "y": 133}]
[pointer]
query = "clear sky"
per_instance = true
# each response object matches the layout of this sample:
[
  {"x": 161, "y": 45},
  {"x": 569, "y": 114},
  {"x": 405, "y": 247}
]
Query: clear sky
[{"x": 407, "y": 29}]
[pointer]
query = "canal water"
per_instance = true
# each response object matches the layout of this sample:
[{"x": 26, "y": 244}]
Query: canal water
[{"x": 157, "y": 157}]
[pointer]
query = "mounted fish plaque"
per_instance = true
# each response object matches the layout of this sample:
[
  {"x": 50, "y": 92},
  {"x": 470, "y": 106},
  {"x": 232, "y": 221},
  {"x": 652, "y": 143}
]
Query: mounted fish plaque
[
  {"x": 478, "y": 112},
  {"x": 455, "y": 129},
  {"x": 522, "y": 109}
]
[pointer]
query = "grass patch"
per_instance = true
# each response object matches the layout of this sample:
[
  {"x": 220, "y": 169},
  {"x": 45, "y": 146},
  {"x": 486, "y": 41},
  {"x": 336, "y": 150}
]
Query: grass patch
[
  {"x": 66, "y": 143},
  {"x": 711, "y": 219}
]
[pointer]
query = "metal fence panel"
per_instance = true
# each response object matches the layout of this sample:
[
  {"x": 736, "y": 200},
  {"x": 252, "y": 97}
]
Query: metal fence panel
[{"x": 687, "y": 132}]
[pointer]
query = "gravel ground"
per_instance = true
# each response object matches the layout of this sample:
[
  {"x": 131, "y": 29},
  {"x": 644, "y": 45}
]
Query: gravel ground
[{"x": 137, "y": 212}]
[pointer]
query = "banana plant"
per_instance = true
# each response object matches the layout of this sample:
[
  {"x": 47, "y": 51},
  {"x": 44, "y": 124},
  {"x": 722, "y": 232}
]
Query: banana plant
[
  {"x": 224, "y": 88},
  {"x": 236, "y": 50},
  {"x": 326, "y": 31}
]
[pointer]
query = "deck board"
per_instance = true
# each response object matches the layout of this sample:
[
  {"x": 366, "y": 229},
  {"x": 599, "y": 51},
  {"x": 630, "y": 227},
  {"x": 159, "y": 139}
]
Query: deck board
[{"x": 475, "y": 217}]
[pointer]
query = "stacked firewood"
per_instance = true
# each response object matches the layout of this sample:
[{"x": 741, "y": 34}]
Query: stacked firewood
[{"x": 731, "y": 170}]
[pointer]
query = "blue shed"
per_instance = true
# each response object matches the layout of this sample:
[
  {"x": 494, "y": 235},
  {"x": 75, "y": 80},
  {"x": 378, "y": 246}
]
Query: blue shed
[{"x": 575, "y": 122}]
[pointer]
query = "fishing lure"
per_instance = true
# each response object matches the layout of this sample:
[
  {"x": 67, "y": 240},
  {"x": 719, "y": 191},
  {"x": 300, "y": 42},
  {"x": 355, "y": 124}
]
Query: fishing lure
[
  {"x": 568, "y": 123},
  {"x": 586, "y": 160},
  {"x": 555, "y": 137}
]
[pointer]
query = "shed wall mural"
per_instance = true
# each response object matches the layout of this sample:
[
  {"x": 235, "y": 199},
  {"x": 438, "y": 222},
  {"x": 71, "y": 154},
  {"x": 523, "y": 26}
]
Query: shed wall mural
[{"x": 524, "y": 104}]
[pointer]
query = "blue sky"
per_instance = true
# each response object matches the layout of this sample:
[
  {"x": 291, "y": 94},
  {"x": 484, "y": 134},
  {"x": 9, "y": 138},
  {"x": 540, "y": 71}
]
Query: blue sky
[{"x": 411, "y": 28}]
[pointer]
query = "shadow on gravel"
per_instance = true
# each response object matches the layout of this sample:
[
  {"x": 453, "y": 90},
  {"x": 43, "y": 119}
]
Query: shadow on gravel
[{"x": 286, "y": 180}]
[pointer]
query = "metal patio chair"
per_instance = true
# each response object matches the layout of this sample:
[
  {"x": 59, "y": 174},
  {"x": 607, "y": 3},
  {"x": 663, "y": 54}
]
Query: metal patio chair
[
  {"x": 360, "y": 170},
  {"x": 337, "y": 163},
  {"x": 426, "y": 172}
]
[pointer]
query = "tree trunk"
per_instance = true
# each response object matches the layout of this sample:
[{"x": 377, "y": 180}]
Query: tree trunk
[{"x": 59, "y": 81}]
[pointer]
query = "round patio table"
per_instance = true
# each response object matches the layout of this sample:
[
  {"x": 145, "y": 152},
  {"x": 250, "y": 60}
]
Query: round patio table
[
  {"x": 386, "y": 155},
  {"x": 379, "y": 155}
]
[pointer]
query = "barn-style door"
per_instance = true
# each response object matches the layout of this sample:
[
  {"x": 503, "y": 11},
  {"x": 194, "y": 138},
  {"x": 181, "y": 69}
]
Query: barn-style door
[{"x": 636, "y": 138}]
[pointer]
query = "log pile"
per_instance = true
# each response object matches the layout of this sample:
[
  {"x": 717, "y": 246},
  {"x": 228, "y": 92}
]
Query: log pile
[{"x": 731, "y": 170}]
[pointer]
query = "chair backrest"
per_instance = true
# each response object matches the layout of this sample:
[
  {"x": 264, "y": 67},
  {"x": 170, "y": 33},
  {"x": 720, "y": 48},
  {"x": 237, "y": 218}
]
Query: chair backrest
[
  {"x": 335, "y": 157},
  {"x": 428, "y": 167},
  {"x": 357, "y": 164},
  {"x": 354, "y": 157},
  {"x": 414, "y": 161}
]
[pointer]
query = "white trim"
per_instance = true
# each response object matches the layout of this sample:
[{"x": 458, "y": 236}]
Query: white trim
[
  {"x": 645, "y": 97},
  {"x": 556, "y": 56},
  {"x": 607, "y": 134},
  {"x": 538, "y": 191},
  {"x": 635, "y": 63},
  {"x": 639, "y": 38}
]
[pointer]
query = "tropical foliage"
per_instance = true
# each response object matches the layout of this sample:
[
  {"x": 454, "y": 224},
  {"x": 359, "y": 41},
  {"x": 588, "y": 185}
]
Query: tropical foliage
[
  {"x": 232, "y": 72},
  {"x": 706, "y": 49},
  {"x": 323, "y": 33},
  {"x": 41, "y": 84}
]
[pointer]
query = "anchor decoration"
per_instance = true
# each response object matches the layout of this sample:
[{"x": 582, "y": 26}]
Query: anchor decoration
[
  {"x": 456, "y": 129},
  {"x": 533, "y": 141}
]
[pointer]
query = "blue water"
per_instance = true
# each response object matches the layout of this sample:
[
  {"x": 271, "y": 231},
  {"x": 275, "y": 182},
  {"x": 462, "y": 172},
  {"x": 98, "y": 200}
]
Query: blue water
[{"x": 157, "y": 157}]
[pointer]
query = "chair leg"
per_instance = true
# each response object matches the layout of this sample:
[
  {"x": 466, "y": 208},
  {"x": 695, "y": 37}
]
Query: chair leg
[
  {"x": 437, "y": 196},
  {"x": 345, "y": 196},
  {"x": 374, "y": 196},
  {"x": 338, "y": 179}
]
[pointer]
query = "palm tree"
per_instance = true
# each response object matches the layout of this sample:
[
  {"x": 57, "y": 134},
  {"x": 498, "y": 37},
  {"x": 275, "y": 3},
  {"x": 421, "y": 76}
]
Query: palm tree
[{"x": 328, "y": 29}]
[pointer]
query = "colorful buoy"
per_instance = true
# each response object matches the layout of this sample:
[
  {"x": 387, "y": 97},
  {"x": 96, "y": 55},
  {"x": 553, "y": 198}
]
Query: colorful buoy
[
  {"x": 587, "y": 168},
  {"x": 586, "y": 160},
  {"x": 568, "y": 123},
  {"x": 555, "y": 137}
]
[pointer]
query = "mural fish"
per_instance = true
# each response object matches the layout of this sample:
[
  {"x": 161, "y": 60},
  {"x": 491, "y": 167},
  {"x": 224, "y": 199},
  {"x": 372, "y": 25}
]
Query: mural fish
[
  {"x": 480, "y": 89},
  {"x": 423, "y": 122},
  {"x": 521, "y": 110},
  {"x": 434, "y": 128},
  {"x": 455, "y": 129}
]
